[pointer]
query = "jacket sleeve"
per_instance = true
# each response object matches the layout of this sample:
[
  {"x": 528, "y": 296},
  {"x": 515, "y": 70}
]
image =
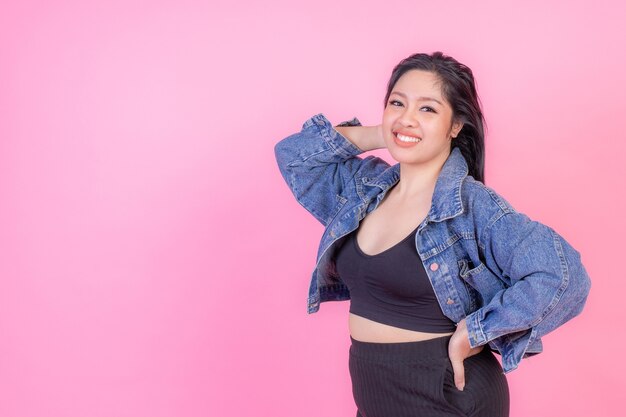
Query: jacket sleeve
[
  {"x": 318, "y": 163},
  {"x": 547, "y": 282}
]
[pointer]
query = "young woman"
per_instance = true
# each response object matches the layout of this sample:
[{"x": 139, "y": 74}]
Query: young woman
[{"x": 440, "y": 270}]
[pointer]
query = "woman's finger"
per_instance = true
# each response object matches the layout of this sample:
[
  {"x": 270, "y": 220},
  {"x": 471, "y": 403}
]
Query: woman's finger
[{"x": 459, "y": 373}]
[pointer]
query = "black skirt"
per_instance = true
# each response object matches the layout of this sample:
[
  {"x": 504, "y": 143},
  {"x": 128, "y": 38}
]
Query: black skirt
[{"x": 413, "y": 379}]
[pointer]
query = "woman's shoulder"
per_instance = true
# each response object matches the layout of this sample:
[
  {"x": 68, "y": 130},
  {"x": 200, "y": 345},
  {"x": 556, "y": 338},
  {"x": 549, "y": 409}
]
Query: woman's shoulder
[
  {"x": 484, "y": 208},
  {"x": 478, "y": 196}
]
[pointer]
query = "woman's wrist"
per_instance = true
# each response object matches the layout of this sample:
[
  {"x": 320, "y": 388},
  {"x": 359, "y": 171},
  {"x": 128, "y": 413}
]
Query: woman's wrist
[{"x": 365, "y": 138}]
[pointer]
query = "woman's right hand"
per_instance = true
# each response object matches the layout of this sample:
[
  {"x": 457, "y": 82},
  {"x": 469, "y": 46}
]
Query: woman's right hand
[{"x": 366, "y": 138}]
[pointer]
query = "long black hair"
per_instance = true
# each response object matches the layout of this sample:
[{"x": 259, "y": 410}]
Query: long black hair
[{"x": 458, "y": 88}]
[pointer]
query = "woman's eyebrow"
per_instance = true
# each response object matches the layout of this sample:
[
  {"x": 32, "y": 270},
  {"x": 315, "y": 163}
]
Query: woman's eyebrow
[{"x": 418, "y": 98}]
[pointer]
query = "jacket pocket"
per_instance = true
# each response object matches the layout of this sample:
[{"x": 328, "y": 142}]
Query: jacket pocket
[{"x": 480, "y": 278}]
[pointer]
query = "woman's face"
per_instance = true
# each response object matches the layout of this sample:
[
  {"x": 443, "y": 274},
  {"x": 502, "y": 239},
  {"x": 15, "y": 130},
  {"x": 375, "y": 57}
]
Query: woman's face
[{"x": 416, "y": 108}]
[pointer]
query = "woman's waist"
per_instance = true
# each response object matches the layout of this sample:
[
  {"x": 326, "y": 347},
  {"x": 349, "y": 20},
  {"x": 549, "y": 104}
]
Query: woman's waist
[{"x": 365, "y": 330}]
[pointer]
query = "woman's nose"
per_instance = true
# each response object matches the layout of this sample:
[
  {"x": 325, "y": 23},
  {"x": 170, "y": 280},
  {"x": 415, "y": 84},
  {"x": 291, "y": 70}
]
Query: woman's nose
[{"x": 408, "y": 119}]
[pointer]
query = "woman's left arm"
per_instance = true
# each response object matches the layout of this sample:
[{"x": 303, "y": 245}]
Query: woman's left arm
[
  {"x": 548, "y": 285},
  {"x": 547, "y": 282}
]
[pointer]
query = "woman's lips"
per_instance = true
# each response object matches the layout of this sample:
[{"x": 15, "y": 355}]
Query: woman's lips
[{"x": 406, "y": 141}]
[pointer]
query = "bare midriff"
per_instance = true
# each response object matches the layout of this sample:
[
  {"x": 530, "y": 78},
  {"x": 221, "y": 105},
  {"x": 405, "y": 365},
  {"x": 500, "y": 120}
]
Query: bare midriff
[{"x": 366, "y": 330}]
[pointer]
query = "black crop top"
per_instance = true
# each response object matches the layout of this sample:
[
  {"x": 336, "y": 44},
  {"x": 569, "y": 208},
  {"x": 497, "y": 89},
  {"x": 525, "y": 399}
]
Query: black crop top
[{"x": 391, "y": 287}]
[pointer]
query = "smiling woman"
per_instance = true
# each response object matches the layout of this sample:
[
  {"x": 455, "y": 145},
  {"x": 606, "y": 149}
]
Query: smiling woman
[
  {"x": 416, "y": 113},
  {"x": 440, "y": 270}
]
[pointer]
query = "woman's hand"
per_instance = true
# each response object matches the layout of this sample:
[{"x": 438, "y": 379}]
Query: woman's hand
[
  {"x": 366, "y": 138},
  {"x": 459, "y": 349}
]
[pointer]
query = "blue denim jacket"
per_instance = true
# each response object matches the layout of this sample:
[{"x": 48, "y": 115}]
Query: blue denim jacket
[{"x": 513, "y": 279}]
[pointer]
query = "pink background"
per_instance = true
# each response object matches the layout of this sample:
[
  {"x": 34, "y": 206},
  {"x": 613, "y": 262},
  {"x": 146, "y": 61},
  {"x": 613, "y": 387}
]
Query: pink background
[{"x": 154, "y": 263}]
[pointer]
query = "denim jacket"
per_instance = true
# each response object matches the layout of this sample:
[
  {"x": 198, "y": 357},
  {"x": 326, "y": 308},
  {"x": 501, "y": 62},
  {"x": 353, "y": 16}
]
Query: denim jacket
[{"x": 513, "y": 279}]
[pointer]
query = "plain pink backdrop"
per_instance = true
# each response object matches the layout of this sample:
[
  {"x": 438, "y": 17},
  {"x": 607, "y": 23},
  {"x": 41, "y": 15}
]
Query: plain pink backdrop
[{"x": 154, "y": 263}]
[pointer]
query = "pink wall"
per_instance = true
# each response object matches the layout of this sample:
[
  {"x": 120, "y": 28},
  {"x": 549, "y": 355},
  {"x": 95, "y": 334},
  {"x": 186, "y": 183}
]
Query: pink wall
[{"x": 152, "y": 260}]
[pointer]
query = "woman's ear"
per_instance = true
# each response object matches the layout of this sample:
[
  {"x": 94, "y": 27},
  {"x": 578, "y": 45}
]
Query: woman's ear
[{"x": 456, "y": 128}]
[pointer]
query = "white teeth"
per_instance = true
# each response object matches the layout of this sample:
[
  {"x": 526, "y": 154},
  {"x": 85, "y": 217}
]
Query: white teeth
[{"x": 404, "y": 138}]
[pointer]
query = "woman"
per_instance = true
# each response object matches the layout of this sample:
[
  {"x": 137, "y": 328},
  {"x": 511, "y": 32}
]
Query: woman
[{"x": 436, "y": 264}]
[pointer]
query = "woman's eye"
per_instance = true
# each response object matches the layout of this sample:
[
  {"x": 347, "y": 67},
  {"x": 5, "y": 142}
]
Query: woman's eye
[{"x": 397, "y": 103}]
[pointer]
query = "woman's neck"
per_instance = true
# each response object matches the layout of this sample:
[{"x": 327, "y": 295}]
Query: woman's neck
[{"x": 418, "y": 180}]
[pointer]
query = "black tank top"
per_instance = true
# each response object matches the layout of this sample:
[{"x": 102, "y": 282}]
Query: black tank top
[{"x": 391, "y": 287}]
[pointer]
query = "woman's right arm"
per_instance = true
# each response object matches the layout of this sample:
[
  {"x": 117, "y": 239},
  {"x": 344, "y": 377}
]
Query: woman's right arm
[{"x": 320, "y": 161}]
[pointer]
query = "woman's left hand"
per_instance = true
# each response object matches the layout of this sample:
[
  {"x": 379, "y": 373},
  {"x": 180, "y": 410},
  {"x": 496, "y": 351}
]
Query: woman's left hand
[{"x": 459, "y": 349}]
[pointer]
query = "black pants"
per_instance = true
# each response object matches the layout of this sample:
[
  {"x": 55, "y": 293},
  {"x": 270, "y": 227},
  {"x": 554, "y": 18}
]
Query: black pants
[{"x": 415, "y": 379}]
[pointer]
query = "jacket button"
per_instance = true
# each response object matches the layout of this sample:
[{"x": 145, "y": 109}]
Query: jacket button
[
  {"x": 450, "y": 301},
  {"x": 434, "y": 266}
]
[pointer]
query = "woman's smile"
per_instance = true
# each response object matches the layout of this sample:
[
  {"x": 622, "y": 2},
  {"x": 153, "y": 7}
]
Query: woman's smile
[{"x": 406, "y": 141}]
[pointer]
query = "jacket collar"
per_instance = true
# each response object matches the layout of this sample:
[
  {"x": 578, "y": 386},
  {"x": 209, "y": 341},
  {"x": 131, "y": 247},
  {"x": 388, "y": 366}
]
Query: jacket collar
[{"x": 446, "y": 201}]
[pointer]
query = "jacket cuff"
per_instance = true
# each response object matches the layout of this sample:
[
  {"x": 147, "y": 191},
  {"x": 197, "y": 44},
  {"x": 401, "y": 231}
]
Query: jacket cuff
[
  {"x": 341, "y": 145},
  {"x": 474, "y": 329}
]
